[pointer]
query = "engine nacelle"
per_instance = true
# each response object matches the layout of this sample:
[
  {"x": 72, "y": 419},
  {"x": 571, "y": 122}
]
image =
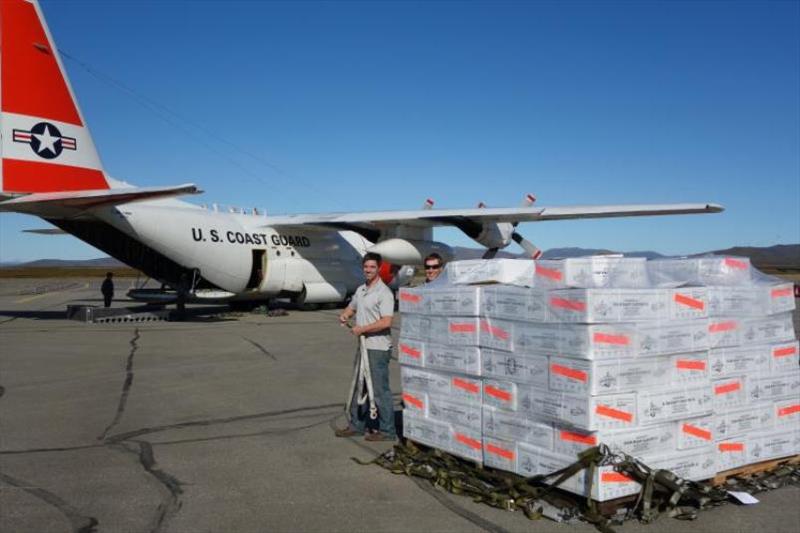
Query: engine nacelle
[
  {"x": 410, "y": 251},
  {"x": 495, "y": 234},
  {"x": 316, "y": 293}
]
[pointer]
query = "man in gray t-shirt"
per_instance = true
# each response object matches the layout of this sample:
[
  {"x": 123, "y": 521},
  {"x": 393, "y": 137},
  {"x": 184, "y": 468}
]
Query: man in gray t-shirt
[{"x": 373, "y": 306}]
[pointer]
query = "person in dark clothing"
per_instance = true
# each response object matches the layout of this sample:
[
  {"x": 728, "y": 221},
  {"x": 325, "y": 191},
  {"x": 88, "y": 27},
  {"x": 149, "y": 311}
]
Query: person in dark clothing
[{"x": 107, "y": 288}]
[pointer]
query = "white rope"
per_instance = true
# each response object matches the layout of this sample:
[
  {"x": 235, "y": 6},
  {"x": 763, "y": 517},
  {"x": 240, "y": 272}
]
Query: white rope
[{"x": 361, "y": 377}]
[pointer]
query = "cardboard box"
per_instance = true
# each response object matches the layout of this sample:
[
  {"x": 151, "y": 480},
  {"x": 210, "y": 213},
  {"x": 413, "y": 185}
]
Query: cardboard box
[
  {"x": 658, "y": 406},
  {"x": 426, "y": 431},
  {"x": 732, "y": 453},
  {"x": 787, "y": 414},
  {"x": 773, "y": 445},
  {"x": 623, "y": 375},
  {"x": 592, "y": 272},
  {"x": 466, "y": 443},
  {"x": 657, "y": 439},
  {"x": 497, "y": 333},
  {"x": 724, "y": 332},
  {"x": 466, "y": 415},
  {"x": 739, "y": 360},
  {"x": 606, "y": 305},
  {"x": 411, "y": 352},
  {"x": 610, "y": 411},
  {"x": 733, "y": 423},
  {"x": 697, "y": 432},
  {"x": 500, "y": 394},
  {"x": 729, "y": 393},
  {"x": 662, "y": 338},
  {"x": 517, "y": 367},
  {"x": 456, "y": 387},
  {"x": 415, "y": 327},
  {"x": 415, "y": 403},
  {"x": 507, "y": 271},
  {"x": 459, "y": 359},
  {"x": 778, "y": 387},
  {"x": 768, "y": 330},
  {"x": 513, "y": 303},
  {"x": 784, "y": 357},
  {"x": 413, "y": 300},
  {"x": 500, "y": 453},
  {"x": 715, "y": 270},
  {"x": 780, "y": 298},
  {"x": 696, "y": 464},
  {"x": 454, "y": 301},
  {"x": 598, "y": 341},
  {"x": 516, "y": 426}
]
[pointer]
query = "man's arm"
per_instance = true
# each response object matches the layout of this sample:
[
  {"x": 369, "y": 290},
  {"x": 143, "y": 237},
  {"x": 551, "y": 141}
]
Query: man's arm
[
  {"x": 383, "y": 323},
  {"x": 345, "y": 315}
]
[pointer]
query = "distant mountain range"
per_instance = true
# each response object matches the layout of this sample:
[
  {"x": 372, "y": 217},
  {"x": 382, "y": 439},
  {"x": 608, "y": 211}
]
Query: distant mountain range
[{"x": 784, "y": 255}]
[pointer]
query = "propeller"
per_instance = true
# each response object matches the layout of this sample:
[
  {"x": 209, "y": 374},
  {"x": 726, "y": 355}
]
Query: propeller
[{"x": 530, "y": 249}]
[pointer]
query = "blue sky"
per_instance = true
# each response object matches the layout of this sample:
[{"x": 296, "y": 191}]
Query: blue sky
[{"x": 313, "y": 107}]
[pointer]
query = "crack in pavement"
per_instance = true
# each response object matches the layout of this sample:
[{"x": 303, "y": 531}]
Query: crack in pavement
[
  {"x": 171, "y": 502},
  {"x": 213, "y": 421},
  {"x": 79, "y": 522},
  {"x": 261, "y": 348},
  {"x": 126, "y": 386}
]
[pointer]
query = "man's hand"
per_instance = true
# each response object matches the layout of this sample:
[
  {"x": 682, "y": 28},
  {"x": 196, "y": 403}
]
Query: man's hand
[{"x": 356, "y": 330}]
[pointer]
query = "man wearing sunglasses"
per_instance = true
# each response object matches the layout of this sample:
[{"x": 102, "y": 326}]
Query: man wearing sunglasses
[{"x": 433, "y": 267}]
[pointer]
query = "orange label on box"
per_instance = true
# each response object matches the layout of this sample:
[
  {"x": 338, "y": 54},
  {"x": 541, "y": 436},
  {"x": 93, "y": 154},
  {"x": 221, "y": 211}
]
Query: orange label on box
[
  {"x": 462, "y": 327},
  {"x": 577, "y": 375},
  {"x": 408, "y": 350},
  {"x": 495, "y": 331},
  {"x": 548, "y": 273},
  {"x": 786, "y": 411},
  {"x": 731, "y": 447},
  {"x": 728, "y": 387},
  {"x": 572, "y": 305},
  {"x": 413, "y": 400},
  {"x": 497, "y": 393},
  {"x": 779, "y": 293},
  {"x": 783, "y": 352},
  {"x": 502, "y": 452},
  {"x": 719, "y": 327},
  {"x": 610, "y": 412},
  {"x": 614, "y": 477},
  {"x": 590, "y": 440},
  {"x": 735, "y": 263},
  {"x": 696, "y": 432},
  {"x": 688, "y": 301},
  {"x": 690, "y": 364},
  {"x": 407, "y": 297},
  {"x": 606, "y": 338},
  {"x": 466, "y": 385},
  {"x": 472, "y": 443}
]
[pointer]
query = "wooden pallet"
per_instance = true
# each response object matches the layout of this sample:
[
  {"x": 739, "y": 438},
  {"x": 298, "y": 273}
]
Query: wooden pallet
[{"x": 752, "y": 469}]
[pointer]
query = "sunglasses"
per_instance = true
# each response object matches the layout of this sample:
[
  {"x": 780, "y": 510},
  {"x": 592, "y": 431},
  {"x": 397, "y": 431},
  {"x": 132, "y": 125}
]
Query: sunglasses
[{"x": 433, "y": 267}]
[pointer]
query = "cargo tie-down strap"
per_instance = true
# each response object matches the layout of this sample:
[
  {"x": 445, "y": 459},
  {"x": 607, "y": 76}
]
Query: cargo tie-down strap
[
  {"x": 361, "y": 387},
  {"x": 663, "y": 493}
]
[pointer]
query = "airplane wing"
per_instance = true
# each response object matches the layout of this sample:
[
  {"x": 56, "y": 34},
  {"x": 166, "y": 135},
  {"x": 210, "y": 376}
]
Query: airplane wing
[
  {"x": 35, "y": 202},
  {"x": 375, "y": 220}
]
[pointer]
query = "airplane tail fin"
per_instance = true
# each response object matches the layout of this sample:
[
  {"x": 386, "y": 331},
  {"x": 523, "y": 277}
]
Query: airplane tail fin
[{"x": 45, "y": 144}]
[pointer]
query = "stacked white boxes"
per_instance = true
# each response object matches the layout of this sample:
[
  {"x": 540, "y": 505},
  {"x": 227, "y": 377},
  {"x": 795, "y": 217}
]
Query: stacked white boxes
[{"x": 687, "y": 364}]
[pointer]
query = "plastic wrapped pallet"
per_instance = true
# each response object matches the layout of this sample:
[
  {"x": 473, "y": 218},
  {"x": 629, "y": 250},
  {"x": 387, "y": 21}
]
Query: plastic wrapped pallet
[{"x": 592, "y": 272}]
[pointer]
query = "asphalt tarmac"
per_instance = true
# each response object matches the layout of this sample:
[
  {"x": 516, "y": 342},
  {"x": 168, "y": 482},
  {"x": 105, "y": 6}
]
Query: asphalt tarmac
[{"x": 219, "y": 424}]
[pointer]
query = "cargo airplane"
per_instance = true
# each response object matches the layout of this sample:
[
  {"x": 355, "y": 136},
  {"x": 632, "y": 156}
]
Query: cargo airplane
[{"x": 51, "y": 169}]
